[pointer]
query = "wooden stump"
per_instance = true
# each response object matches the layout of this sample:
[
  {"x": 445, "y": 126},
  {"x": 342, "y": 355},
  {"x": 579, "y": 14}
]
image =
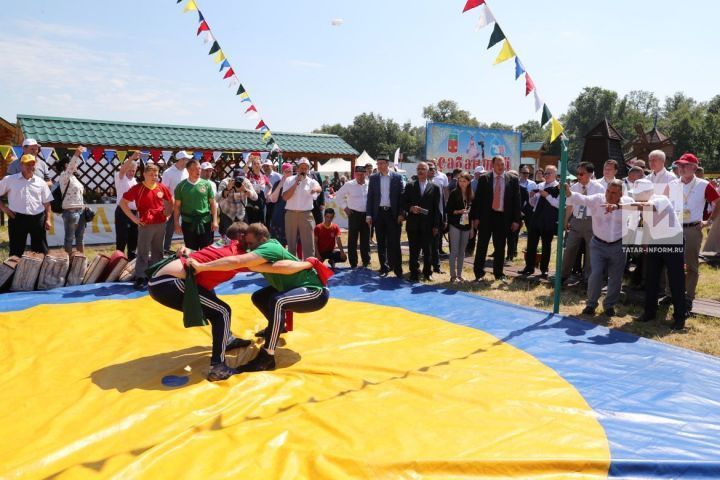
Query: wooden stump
[
  {"x": 95, "y": 269},
  {"x": 7, "y": 270},
  {"x": 27, "y": 272},
  {"x": 114, "y": 268},
  {"x": 53, "y": 272},
  {"x": 128, "y": 273},
  {"x": 78, "y": 267}
]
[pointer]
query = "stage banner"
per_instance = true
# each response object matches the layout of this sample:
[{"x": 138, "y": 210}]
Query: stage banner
[{"x": 458, "y": 146}]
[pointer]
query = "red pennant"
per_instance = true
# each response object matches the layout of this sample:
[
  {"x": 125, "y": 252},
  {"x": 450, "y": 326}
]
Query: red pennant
[
  {"x": 155, "y": 154},
  {"x": 229, "y": 73},
  {"x": 472, "y": 4},
  {"x": 529, "y": 85},
  {"x": 97, "y": 154},
  {"x": 203, "y": 28},
  {"x": 251, "y": 108},
  {"x": 260, "y": 125},
  {"x": 207, "y": 155}
]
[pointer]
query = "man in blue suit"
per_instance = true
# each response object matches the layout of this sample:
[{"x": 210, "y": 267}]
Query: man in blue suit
[{"x": 384, "y": 211}]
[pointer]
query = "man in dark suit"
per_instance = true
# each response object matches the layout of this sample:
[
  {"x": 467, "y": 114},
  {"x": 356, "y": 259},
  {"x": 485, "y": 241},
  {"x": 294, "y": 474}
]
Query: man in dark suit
[
  {"x": 421, "y": 201},
  {"x": 495, "y": 211},
  {"x": 384, "y": 212}
]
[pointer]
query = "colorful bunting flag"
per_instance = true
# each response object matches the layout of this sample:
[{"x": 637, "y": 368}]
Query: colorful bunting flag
[
  {"x": 208, "y": 37},
  {"x": 241, "y": 90},
  {"x": 270, "y": 141},
  {"x": 266, "y": 135},
  {"x": 229, "y": 73},
  {"x": 486, "y": 18},
  {"x": 46, "y": 153},
  {"x": 529, "y": 85},
  {"x": 190, "y": 6},
  {"x": 546, "y": 116},
  {"x": 519, "y": 68},
  {"x": 203, "y": 28},
  {"x": 496, "y": 37},
  {"x": 215, "y": 48},
  {"x": 260, "y": 125},
  {"x": 506, "y": 53},
  {"x": 98, "y": 153},
  {"x": 219, "y": 57},
  {"x": 251, "y": 108},
  {"x": 155, "y": 153},
  {"x": 167, "y": 155},
  {"x": 122, "y": 155},
  {"x": 197, "y": 155},
  {"x": 85, "y": 155},
  {"x": 216, "y": 155},
  {"x": 207, "y": 155},
  {"x": 5, "y": 151},
  {"x": 18, "y": 151},
  {"x": 245, "y": 96},
  {"x": 555, "y": 130},
  {"x": 246, "y": 99},
  {"x": 472, "y": 4},
  {"x": 225, "y": 64},
  {"x": 200, "y": 17},
  {"x": 538, "y": 101},
  {"x": 109, "y": 155}
]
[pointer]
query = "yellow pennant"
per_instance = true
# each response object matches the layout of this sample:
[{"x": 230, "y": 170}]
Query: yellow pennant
[
  {"x": 219, "y": 57},
  {"x": 244, "y": 95},
  {"x": 266, "y": 136},
  {"x": 506, "y": 53},
  {"x": 5, "y": 150},
  {"x": 556, "y": 130},
  {"x": 121, "y": 154},
  {"x": 190, "y": 7}
]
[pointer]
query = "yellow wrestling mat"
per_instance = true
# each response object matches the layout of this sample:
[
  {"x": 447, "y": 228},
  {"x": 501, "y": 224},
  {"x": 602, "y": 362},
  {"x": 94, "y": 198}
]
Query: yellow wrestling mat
[{"x": 361, "y": 391}]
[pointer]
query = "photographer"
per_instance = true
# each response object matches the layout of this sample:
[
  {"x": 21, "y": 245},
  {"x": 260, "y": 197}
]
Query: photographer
[
  {"x": 74, "y": 214},
  {"x": 233, "y": 199},
  {"x": 299, "y": 191}
]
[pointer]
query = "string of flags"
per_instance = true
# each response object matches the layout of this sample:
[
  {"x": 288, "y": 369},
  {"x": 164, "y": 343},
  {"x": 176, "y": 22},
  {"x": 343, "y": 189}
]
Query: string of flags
[
  {"x": 228, "y": 73},
  {"x": 506, "y": 53}
]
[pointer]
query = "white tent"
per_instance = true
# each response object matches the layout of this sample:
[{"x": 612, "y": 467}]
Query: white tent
[
  {"x": 335, "y": 165},
  {"x": 364, "y": 159}
]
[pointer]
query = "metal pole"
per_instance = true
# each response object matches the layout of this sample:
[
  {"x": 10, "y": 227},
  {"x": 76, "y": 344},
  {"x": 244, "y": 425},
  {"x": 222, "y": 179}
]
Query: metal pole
[{"x": 561, "y": 224}]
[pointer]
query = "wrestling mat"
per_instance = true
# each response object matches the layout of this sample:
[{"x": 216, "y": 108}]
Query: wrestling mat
[{"x": 390, "y": 380}]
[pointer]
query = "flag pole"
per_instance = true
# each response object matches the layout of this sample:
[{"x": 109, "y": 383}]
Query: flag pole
[{"x": 561, "y": 223}]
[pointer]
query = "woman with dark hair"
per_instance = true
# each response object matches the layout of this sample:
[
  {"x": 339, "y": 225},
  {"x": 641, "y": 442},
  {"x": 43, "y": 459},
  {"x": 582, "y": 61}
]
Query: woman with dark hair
[
  {"x": 73, "y": 203},
  {"x": 277, "y": 222},
  {"x": 255, "y": 209},
  {"x": 458, "y": 215}
]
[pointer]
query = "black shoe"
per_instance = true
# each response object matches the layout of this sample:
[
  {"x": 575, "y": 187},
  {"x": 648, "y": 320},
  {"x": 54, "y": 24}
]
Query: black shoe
[
  {"x": 678, "y": 324},
  {"x": 610, "y": 312},
  {"x": 480, "y": 278},
  {"x": 140, "y": 283},
  {"x": 588, "y": 311},
  {"x": 264, "y": 361},
  {"x": 366, "y": 265},
  {"x": 221, "y": 372},
  {"x": 644, "y": 318},
  {"x": 544, "y": 275},
  {"x": 399, "y": 274},
  {"x": 237, "y": 343},
  {"x": 427, "y": 278},
  {"x": 438, "y": 271},
  {"x": 353, "y": 267},
  {"x": 665, "y": 300},
  {"x": 383, "y": 273},
  {"x": 414, "y": 278},
  {"x": 527, "y": 271}
]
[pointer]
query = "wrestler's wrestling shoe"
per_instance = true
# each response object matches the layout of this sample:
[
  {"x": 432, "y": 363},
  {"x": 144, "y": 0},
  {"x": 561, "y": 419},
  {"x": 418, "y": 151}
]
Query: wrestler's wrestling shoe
[
  {"x": 220, "y": 371},
  {"x": 263, "y": 361},
  {"x": 237, "y": 343}
]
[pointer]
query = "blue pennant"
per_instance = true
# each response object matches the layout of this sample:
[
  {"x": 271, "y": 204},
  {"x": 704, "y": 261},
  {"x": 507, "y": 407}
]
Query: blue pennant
[
  {"x": 225, "y": 64},
  {"x": 200, "y": 17},
  {"x": 519, "y": 68}
]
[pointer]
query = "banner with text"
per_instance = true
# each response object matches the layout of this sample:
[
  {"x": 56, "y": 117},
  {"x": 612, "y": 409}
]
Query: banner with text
[{"x": 458, "y": 146}]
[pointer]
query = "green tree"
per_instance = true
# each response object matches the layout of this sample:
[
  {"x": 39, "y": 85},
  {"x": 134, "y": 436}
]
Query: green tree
[
  {"x": 500, "y": 126},
  {"x": 586, "y": 111},
  {"x": 637, "y": 107},
  {"x": 531, "y": 131},
  {"x": 447, "y": 111}
]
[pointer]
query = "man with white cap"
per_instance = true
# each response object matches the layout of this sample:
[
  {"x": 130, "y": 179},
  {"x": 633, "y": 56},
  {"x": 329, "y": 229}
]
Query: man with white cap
[
  {"x": 206, "y": 172},
  {"x": 662, "y": 242},
  {"x": 299, "y": 191},
  {"x": 32, "y": 147},
  {"x": 28, "y": 208},
  {"x": 171, "y": 177}
]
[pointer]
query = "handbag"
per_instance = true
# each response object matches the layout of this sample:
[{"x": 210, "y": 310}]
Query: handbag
[
  {"x": 56, "y": 202},
  {"x": 89, "y": 214}
]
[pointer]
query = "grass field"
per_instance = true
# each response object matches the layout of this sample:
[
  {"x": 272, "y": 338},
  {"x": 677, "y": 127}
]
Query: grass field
[{"x": 702, "y": 333}]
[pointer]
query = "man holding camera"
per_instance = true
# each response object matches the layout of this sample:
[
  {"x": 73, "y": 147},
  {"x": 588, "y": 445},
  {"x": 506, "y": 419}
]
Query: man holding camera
[
  {"x": 299, "y": 191},
  {"x": 233, "y": 196}
]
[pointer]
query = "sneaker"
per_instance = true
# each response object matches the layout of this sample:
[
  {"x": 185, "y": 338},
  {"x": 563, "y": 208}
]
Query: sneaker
[
  {"x": 610, "y": 312},
  {"x": 140, "y": 283},
  {"x": 588, "y": 311},
  {"x": 237, "y": 343},
  {"x": 261, "y": 333},
  {"x": 543, "y": 276},
  {"x": 220, "y": 371},
  {"x": 263, "y": 362},
  {"x": 665, "y": 301},
  {"x": 678, "y": 325},
  {"x": 645, "y": 318}
]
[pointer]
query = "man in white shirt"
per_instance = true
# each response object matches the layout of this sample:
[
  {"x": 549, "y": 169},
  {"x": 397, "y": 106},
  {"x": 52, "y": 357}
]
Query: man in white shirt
[
  {"x": 606, "y": 249},
  {"x": 171, "y": 177},
  {"x": 206, "y": 173},
  {"x": 578, "y": 222},
  {"x": 126, "y": 232},
  {"x": 352, "y": 198},
  {"x": 659, "y": 175},
  {"x": 32, "y": 147},
  {"x": 28, "y": 208},
  {"x": 610, "y": 170},
  {"x": 299, "y": 191}
]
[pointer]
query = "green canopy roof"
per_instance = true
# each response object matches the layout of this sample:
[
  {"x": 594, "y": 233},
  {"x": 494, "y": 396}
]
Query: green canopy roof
[{"x": 72, "y": 131}]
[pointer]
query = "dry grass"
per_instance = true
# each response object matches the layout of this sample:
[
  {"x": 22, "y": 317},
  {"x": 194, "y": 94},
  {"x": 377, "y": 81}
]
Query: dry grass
[{"x": 702, "y": 334}]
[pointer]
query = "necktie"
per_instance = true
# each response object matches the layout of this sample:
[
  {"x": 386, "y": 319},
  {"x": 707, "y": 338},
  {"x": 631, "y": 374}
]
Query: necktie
[{"x": 496, "y": 193}]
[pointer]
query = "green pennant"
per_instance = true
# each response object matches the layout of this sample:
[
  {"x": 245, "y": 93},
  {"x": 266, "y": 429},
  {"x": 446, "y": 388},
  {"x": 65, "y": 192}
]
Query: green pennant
[
  {"x": 546, "y": 116},
  {"x": 241, "y": 90},
  {"x": 215, "y": 48},
  {"x": 270, "y": 141},
  {"x": 496, "y": 37}
]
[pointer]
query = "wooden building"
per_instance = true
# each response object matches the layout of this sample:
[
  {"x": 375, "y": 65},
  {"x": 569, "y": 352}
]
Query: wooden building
[{"x": 603, "y": 143}]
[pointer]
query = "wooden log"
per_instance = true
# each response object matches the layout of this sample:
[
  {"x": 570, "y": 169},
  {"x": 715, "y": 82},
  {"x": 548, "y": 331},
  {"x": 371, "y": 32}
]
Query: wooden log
[
  {"x": 7, "y": 270},
  {"x": 95, "y": 269},
  {"x": 78, "y": 267},
  {"x": 53, "y": 272},
  {"x": 27, "y": 272},
  {"x": 117, "y": 270},
  {"x": 128, "y": 273}
]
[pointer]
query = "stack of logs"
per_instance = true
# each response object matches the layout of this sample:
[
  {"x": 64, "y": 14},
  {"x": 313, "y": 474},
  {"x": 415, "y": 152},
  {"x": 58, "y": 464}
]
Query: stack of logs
[{"x": 35, "y": 271}]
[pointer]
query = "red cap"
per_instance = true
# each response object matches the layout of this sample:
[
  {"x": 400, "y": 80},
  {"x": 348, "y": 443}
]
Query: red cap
[
  {"x": 324, "y": 273},
  {"x": 688, "y": 158}
]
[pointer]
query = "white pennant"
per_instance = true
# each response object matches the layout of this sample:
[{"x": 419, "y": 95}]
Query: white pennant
[
  {"x": 216, "y": 155},
  {"x": 233, "y": 81},
  {"x": 253, "y": 115},
  {"x": 208, "y": 37},
  {"x": 486, "y": 18},
  {"x": 538, "y": 100},
  {"x": 46, "y": 153},
  {"x": 166, "y": 155}
]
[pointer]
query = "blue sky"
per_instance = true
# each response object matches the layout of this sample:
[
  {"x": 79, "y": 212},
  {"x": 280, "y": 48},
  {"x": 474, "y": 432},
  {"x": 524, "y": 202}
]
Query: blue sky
[{"x": 141, "y": 61}]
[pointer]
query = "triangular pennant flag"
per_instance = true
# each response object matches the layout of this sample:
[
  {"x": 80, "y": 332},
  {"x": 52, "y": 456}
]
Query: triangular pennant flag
[
  {"x": 519, "y": 68},
  {"x": 122, "y": 155},
  {"x": 197, "y": 155},
  {"x": 251, "y": 108},
  {"x": 270, "y": 141},
  {"x": 229, "y": 73},
  {"x": 166, "y": 155},
  {"x": 486, "y": 18},
  {"x": 241, "y": 90},
  {"x": 200, "y": 16},
  {"x": 155, "y": 154},
  {"x": 233, "y": 81},
  {"x": 46, "y": 153},
  {"x": 203, "y": 28},
  {"x": 506, "y": 53},
  {"x": 260, "y": 125},
  {"x": 178, "y": 1},
  {"x": 190, "y": 6},
  {"x": 18, "y": 151},
  {"x": 245, "y": 99},
  {"x": 266, "y": 135},
  {"x": 208, "y": 37},
  {"x": 216, "y": 155},
  {"x": 555, "y": 130},
  {"x": 546, "y": 116},
  {"x": 529, "y": 85},
  {"x": 219, "y": 57},
  {"x": 97, "y": 153},
  {"x": 496, "y": 37},
  {"x": 224, "y": 64},
  {"x": 472, "y": 4},
  {"x": 244, "y": 96},
  {"x": 109, "y": 155},
  {"x": 85, "y": 155},
  {"x": 215, "y": 48},
  {"x": 5, "y": 151},
  {"x": 538, "y": 101}
]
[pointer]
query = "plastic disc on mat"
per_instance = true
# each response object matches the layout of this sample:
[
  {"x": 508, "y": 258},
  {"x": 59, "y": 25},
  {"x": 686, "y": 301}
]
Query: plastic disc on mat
[{"x": 174, "y": 381}]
